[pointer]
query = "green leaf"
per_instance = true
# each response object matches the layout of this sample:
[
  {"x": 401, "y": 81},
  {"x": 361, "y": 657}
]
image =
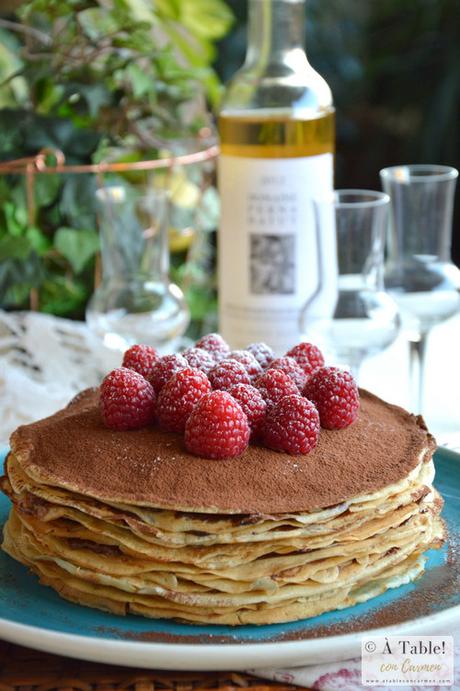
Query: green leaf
[
  {"x": 47, "y": 187},
  {"x": 168, "y": 8},
  {"x": 141, "y": 82},
  {"x": 207, "y": 215},
  {"x": 17, "y": 277},
  {"x": 48, "y": 95},
  {"x": 13, "y": 220},
  {"x": 141, "y": 10},
  {"x": 96, "y": 22},
  {"x": 214, "y": 89},
  {"x": 15, "y": 296},
  {"x": 61, "y": 295},
  {"x": 21, "y": 215},
  {"x": 14, "y": 247},
  {"x": 38, "y": 240},
  {"x": 208, "y": 19},
  {"x": 196, "y": 52},
  {"x": 18, "y": 195},
  {"x": 201, "y": 302},
  {"x": 23, "y": 132},
  {"x": 13, "y": 89},
  {"x": 78, "y": 202},
  {"x": 77, "y": 246},
  {"x": 56, "y": 8},
  {"x": 96, "y": 96}
]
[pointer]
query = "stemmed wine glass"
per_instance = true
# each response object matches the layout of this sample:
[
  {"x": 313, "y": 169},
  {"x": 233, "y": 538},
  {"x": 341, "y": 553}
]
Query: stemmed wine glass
[
  {"x": 419, "y": 273},
  {"x": 349, "y": 315}
]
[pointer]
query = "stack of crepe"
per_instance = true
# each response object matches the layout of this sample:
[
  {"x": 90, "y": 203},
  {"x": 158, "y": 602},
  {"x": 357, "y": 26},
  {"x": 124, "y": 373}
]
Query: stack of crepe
[{"x": 130, "y": 522}]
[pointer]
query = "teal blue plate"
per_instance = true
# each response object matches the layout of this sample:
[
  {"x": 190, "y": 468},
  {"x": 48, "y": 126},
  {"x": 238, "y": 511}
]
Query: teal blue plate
[{"x": 36, "y": 616}]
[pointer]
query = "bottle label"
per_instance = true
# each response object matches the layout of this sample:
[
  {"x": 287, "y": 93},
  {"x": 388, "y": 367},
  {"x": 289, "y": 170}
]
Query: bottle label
[{"x": 268, "y": 258}]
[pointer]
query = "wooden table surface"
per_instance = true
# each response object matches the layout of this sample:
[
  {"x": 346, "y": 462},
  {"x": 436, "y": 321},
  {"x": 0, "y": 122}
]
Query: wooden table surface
[{"x": 23, "y": 669}]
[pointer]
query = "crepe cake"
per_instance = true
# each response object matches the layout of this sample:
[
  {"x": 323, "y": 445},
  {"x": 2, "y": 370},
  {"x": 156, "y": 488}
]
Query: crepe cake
[{"x": 129, "y": 522}]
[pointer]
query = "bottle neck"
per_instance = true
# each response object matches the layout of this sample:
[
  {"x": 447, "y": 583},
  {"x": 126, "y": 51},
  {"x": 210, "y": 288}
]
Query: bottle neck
[{"x": 276, "y": 28}]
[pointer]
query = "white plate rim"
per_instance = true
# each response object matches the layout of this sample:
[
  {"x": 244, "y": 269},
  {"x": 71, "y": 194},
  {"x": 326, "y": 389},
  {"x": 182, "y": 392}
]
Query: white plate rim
[{"x": 217, "y": 657}]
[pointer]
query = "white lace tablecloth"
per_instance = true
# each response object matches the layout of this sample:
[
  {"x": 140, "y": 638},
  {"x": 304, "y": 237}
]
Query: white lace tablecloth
[{"x": 45, "y": 361}]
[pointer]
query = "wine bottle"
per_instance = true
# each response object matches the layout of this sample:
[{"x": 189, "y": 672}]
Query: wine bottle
[{"x": 277, "y": 133}]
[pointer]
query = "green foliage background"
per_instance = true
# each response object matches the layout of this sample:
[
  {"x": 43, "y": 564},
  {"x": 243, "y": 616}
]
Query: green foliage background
[{"x": 94, "y": 79}]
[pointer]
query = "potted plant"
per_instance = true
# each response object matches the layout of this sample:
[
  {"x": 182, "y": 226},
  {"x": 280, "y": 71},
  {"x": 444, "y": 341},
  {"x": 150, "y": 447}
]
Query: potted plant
[{"x": 126, "y": 80}]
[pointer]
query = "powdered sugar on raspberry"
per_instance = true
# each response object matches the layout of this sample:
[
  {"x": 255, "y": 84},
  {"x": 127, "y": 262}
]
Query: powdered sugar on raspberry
[
  {"x": 164, "y": 369},
  {"x": 214, "y": 344},
  {"x": 227, "y": 373},
  {"x": 273, "y": 384},
  {"x": 336, "y": 396},
  {"x": 262, "y": 353},
  {"x": 290, "y": 367},
  {"x": 199, "y": 358},
  {"x": 308, "y": 357},
  {"x": 252, "y": 404},
  {"x": 141, "y": 359},
  {"x": 248, "y": 361},
  {"x": 127, "y": 400},
  {"x": 217, "y": 427},
  {"x": 292, "y": 425},
  {"x": 178, "y": 397}
]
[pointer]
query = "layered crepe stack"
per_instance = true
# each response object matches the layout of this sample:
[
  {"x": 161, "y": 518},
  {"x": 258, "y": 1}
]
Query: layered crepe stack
[{"x": 130, "y": 522}]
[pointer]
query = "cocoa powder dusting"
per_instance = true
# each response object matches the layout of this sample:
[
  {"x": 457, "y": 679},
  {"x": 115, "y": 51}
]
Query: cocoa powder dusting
[
  {"x": 433, "y": 592},
  {"x": 73, "y": 449}
]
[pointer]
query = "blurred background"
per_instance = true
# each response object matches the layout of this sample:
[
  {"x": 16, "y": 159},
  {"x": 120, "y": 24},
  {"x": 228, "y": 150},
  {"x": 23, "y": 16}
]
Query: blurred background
[
  {"x": 394, "y": 69},
  {"x": 140, "y": 80}
]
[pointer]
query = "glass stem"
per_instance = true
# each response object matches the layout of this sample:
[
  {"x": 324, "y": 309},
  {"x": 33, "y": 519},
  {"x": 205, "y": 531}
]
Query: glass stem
[{"x": 417, "y": 371}]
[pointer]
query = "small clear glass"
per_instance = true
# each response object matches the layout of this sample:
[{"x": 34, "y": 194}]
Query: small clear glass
[
  {"x": 135, "y": 301},
  {"x": 350, "y": 316},
  {"x": 419, "y": 272}
]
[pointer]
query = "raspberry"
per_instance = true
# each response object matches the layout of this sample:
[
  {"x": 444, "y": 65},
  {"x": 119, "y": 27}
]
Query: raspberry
[
  {"x": 336, "y": 395},
  {"x": 292, "y": 426},
  {"x": 164, "y": 368},
  {"x": 199, "y": 358},
  {"x": 262, "y": 353},
  {"x": 248, "y": 361},
  {"x": 252, "y": 405},
  {"x": 217, "y": 427},
  {"x": 127, "y": 400},
  {"x": 178, "y": 397},
  {"x": 141, "y": 359},
  {"x": 214, "y": 344},
  {"x": 290, "y": 367},
  {"x": 273, "y": 384},
  {"x": 307, "y": 356},
  {"x": 226, "y": 373}
]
